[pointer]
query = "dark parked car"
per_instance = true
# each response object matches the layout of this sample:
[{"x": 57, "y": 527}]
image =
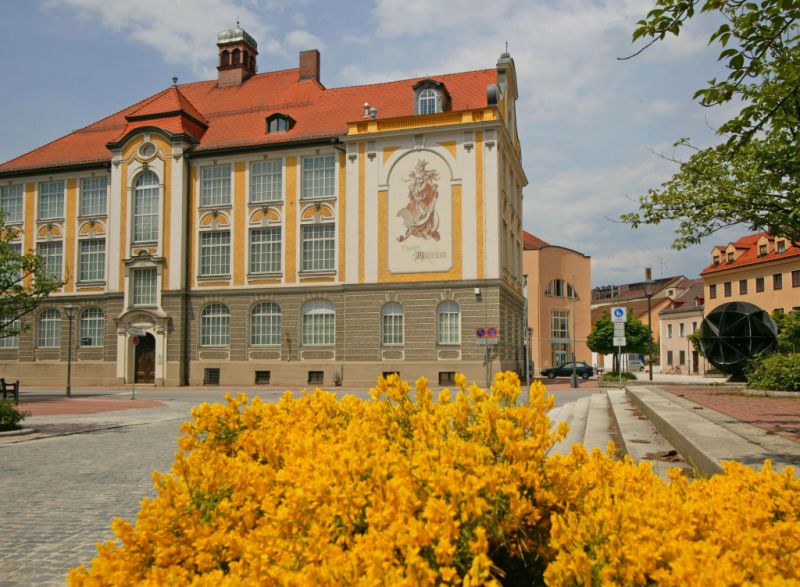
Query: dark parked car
[{"x": 582, "y": 369}]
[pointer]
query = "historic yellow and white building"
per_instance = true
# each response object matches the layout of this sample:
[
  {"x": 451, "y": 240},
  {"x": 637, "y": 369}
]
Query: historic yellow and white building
[{"x": 263, "y": 228}]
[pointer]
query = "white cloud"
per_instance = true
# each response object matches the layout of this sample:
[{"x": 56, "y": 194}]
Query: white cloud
[
  {"x": 182, "y": 31},
  {"x": 303, "y": 40},
  {"x": 656, "y": 109}
]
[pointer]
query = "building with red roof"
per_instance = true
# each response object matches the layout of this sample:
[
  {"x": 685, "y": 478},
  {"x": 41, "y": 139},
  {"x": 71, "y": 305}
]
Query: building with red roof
[
  {"x": 261, "y": 227},
  {"x": 559, "y": 297},
  {"x": 760, "y": 268}
]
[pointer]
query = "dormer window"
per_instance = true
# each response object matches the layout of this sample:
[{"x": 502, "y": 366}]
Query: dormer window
[
  {"x": 716, "y": 259},
  {"x": 762, "y": 250},
  {"x": 730, "y": 257},
  {"x": 780, "y": 246},
  {"x": 279, "y": 123},
  {"x": 430, "y": 97}
]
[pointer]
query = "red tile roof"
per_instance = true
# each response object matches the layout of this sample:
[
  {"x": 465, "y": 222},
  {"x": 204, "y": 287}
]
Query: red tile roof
[
  {"x": 236, "y": 115},
  {"x": 531, "y": 242},
  {"x": 750, "y": 255}
]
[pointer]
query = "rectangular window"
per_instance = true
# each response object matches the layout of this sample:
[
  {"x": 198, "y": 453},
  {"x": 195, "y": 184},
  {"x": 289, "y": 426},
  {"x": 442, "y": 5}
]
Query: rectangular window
[
  {"x": 11, "y": 342},
  {"x": 669, "y": 330},
  {"x": 730, "y": 257},
  {"x": 742, "y": 286},
  {"x": 762, "y": 250},
  {"x": 712, "y": 290},
  {"x": 777, "y": 311},
  {"x": 728, "y": 289},
  {"x": 52, "y": 253},
  {"x": 780, "y": 246},
  {"x": 669, "y": 357},
  {"x": 681, "y": 329},
  {"x": 265, "y": 250},
  {"x": 16, "y": 249},
  {"x": 11, "y": 203},
  {"x": 318, "y": 247},
  {"x": 266, "y": 181},
  {"x": 716, "y": 259},
  {"x": 51, "y": 199},
  {"x": 682, "y": 357},
  {"x": 694, "y": 327},
  {"x": 211, "y": 376},
  {"x": 93, "y": 196},
  {"x": 215, "y": 186},
  {"x": 759, "y": 284},
  {"x": 92, "y": 260},
  {"x": 215, "y": 253},
  {"x": 559, "y": 326},
  {"x": 144, "y": 287},
  {"x": 319, "y": 329},
  {"x": 559, "y": 354},
  {"x": 777, "y": 281},
  {"x": 263, "y": 377},
  {"x": 447, "y": 377},
  {"x": 796, "y": 278},
  {"x": 319, "y": 175}
]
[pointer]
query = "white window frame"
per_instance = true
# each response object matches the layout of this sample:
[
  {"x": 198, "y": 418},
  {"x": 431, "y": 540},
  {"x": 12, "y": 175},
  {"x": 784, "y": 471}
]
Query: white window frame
[
  {"x": 319, "y": 323},
  {"x": 88, "y": 272},
  {"x": 12, "y": 203},
  {"x": 392, "y": 324},
  {"x": 48, "y": 329},
  {"x": 448, "y": 323},
  {"x": 314, "y": 178},
  {"x": 211, "y": 252},
  {"x": 428, "y": 101},
  {"x": 272, "y": 250},
  {"x": 93, "y": 190},
  {"x": 559, "y": 325},
  {"x": 266, "y": 185},
  {"x": 92, "y": 324},
  {"x": 145, "y": 227},
  {"x": 215, "y": 325},
  {"x": 51, "y": 199},
  {"x": 139, "y": 295},
  {"x": 11, "y": 342},
  {"x": 43, "y": 250},
  {"x": 321, "y": 248},
  {"x": 216, "y": 185},
  {"x": 265, "y": 324}
]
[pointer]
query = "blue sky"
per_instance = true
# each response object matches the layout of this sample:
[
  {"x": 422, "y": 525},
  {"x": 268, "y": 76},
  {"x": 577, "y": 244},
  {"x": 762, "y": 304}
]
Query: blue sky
[{"x": 588, "y": 121}]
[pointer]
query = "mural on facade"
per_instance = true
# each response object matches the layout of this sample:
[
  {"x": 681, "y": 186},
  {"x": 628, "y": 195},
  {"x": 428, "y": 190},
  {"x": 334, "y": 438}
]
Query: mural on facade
[{"x": 420, "y": 217}]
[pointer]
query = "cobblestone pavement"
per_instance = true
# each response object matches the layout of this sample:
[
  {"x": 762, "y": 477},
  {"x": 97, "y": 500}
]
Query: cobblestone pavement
[
  {"x": 777, "y": 415},
  {"x": 60, "y": 495}
]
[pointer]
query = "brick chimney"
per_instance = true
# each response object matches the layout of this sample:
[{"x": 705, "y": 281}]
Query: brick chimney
[
  {"x": 237, "y": 56},
  {"x": 309, "y": 65}
]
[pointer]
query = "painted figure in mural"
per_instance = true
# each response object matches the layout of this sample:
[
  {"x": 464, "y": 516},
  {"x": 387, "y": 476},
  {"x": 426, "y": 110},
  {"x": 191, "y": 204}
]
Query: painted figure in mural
[{"x": 419, "y": 216}]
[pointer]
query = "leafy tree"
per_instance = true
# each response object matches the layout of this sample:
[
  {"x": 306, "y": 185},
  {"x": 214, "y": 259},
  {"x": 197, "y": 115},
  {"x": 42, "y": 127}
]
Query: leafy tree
[
  {"x": 694, "y": 338},
  {"x": 753, "y": 177},
  {"x": 788, "y": 331},
  {"x": 17, "y": 300},
  {"x": 601, "y": 339}
]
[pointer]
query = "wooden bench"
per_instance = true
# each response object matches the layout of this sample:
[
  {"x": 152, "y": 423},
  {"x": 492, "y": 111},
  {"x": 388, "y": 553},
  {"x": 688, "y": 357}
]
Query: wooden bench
[{"x": 10, "y": 388}]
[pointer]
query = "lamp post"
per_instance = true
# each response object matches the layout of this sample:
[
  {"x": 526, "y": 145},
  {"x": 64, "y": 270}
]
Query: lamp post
[
  {"x": 649, "y": 290},
  {"x": 69, "y": 310}
]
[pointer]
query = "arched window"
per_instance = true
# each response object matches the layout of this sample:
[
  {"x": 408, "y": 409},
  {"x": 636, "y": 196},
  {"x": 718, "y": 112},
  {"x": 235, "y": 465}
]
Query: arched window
[
  {"x": 145, "y": 208},
  {"x": 428, "y": 102},
  {"x": 237, "y": 56},
  {"x": 319, "y": 323},
  {"x": 265, "y": 324},
  {"x": 226, "y": 58},
  {"x": 48, "y": 333},
  {"x": 392, "y": 324},
  {"x": 91, "y": 330},
  {"x": 449, "y": 323},
  {"x": 215, "y": 325},
  {"x": 559, "y": 288}
]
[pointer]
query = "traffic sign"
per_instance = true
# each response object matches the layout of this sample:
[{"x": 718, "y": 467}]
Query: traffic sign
[
  {"x": 619, "y": 341},
  {"x": 135, "y": 340},
  {"x": 486, "y": 341},
  {"x": 619, "y": 329},
  {"x": 491, "y": 332},
  {"x": 480, "y": 332},
  {"x": 619, "y": 314}
]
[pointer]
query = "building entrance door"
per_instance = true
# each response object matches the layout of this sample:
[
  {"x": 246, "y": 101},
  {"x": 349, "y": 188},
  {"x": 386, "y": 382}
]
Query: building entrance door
[
  {"x": 145, "y": 360},
  {"x": 695, "y": 361}
]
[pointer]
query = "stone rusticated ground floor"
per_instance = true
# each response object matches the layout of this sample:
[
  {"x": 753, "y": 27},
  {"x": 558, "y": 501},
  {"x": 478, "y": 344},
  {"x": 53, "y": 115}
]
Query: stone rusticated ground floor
[{"x": 356, "y": 358}]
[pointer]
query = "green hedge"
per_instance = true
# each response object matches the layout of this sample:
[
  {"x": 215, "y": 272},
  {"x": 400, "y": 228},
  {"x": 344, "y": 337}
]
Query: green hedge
[
  {"x": 777, "y": 372},
  {"x": 615, "y": 376}
]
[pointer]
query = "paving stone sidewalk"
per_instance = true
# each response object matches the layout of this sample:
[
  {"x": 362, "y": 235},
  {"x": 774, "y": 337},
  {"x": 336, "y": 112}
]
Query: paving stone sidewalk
[{"x": 776, "y": 415}]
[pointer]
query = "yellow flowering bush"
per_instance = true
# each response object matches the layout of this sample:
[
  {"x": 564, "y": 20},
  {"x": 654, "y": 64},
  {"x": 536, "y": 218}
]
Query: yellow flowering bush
[{"x": 409, "y": 489}]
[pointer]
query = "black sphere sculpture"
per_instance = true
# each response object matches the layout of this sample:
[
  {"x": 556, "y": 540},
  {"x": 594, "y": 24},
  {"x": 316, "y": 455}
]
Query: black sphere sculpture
[{"x": 736, "y": 332}]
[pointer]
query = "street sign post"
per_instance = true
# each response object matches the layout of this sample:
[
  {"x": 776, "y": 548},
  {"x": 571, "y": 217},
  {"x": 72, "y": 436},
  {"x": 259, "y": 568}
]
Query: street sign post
[
  {"x": 619, "y": 341},
  {"x": 619, "y": 314}
]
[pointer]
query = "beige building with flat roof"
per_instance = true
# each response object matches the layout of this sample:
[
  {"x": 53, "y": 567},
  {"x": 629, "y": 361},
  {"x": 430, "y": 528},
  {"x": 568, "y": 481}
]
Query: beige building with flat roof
[
  {"x": 559, "y": 302},
  {"x": 760, "y": 268}
]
